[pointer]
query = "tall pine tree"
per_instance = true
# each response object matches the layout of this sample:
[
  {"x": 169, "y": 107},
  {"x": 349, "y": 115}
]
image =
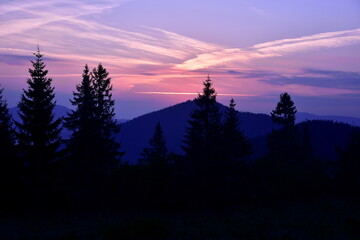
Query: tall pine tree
[
  {"x": 203, "y": 137},
  {"x": 155, "y": 168},
  {"x": 81, "y": 121},
  {"x": 38, "y": 130},
  {"x": 285, "y": 111},
  {"x": 283, "y": 142},
  {"x": 7, "y": 141},
  {"x": 156, "y": 154},
  {"x": 7, "y": 138},
  {"x": 93, "y": 147},
  {"x": 10, "y": 168},
  {"x": 236, "y": 146},
  {"x": 106, "y": 125}
]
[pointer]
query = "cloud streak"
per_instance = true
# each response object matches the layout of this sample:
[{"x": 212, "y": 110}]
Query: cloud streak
[
  {"x": 272, "y": 49},
  {"x": 44, "y": 13},
  {"x": 72, "y": 36},
  {"x": 68, "y": 22},
  {"x": 150, "y": 60},
  {"x": 320, "y": 78}
]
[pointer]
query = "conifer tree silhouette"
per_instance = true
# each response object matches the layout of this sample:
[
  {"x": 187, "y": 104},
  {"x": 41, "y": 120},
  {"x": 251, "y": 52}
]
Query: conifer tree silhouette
[
  {"x": 105, "y": 122},
  {"x": 155, "y": 167},
  {"x": 7, "y": 140},
  {"x": 283, "y": 142},
  {"x": 284, "y": 113},
  {"x": 156, "y": 154},
  {"x": 236, "y": 145},
  {"x": 203, "y": 137},
  {"x": 38, "y": 131},
  {"x": 81, "y": 121},
  {"x": 92, "y": 145}
]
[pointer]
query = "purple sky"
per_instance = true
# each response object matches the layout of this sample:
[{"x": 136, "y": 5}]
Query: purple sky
[{"x": 159, "y": 52}]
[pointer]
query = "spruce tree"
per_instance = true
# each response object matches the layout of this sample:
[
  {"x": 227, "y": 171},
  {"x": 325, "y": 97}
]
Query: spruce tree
[
  {"x": 105, "y": 122},
  {"x": 156, "y": 154},
  {"x": 7, "y": 138},
  {"x": 38, "y": 130},
  {"x": 155, "y": 168},
  {"x": 93, "y": 148},
  {"x": 285, "y": 111},
  {"x": 81, "y": 121},
  {"x": 10, "y": 167},
  {"x": 203, "y": 137},
  {"x": 283, "y": 142},
  {"x": 235, "y": 143}
]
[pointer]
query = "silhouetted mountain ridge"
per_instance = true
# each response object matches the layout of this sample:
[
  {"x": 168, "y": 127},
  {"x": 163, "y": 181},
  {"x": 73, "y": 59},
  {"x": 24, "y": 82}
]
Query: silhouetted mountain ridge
[
  {"x": 301, "y": 117},
  {"x": 326, "y": 132},
  {"x": 135, "y": 133}
]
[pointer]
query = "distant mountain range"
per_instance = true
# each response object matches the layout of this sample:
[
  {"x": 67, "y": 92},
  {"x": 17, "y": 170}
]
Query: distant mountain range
[
  {"x": 325, "y": 136},
  {"x": 134, "y": 134}
]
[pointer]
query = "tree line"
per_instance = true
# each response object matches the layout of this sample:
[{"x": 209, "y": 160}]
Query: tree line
[{"x": 39, "y": 167}]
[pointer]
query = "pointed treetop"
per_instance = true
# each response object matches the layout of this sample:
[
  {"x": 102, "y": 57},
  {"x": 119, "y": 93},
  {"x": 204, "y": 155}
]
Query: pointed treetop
[
  {"x": 100, "y": 73},
  {"x": 86, "y": 70},
  {"x": 232, "y": 104},
  {"x": 236, "y": 144},
  {"x": 231, "y": 115},
  {"x": 156, "y": 153},
  {"x": 157, "y": 142},
  {"x": 38, "y": 53},
  {"x": 208, "y": 90},
  {"x": 38, "y": 71},
  {"x": 38, "y": 128},
  {"x": 86, "y": 73},
  {"x": 284, "y": 113}
]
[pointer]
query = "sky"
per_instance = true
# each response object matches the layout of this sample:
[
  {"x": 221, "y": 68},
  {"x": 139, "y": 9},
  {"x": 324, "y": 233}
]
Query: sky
[{"x": 158, "y": 52}]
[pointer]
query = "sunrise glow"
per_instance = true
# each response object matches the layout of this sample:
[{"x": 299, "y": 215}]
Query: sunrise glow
[{"x": 253, "y": 50}]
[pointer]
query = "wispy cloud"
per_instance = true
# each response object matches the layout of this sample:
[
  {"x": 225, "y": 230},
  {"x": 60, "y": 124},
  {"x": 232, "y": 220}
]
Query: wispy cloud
[
  {"x": 36, "y": 14},
  {"x": 320, "y": 78},
  {"x": 273, "y": 49},
  {"x": 74, "y": 36},
  {"x": 149, "y": 60},
  {"x": 327, "y": 35}
]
